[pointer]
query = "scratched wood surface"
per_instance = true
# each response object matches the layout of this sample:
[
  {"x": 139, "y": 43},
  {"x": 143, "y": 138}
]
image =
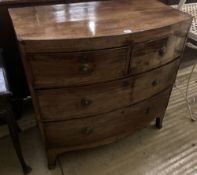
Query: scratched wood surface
[
  {"x": 92, "y": 19},
  {"x": 145, "y": 153},
  {"x": 59, "y": 28}
]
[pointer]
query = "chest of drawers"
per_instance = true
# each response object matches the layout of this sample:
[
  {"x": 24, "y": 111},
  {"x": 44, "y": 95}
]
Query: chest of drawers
[{"x": 94, "y": 76}]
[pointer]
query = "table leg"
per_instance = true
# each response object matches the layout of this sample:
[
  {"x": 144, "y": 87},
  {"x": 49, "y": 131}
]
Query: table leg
[{"x": 13, "y": 129}]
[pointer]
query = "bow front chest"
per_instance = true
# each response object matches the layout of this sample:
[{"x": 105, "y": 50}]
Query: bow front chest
[{"x": 99, "y": 71}]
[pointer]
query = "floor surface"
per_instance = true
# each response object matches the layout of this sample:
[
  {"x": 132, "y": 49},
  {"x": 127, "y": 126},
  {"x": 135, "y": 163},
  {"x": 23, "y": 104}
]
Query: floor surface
[{"x": 169, "y": 151}]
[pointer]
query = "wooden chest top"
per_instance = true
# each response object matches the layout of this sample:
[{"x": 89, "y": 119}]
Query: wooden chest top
[{"x": 92, "y": 19}]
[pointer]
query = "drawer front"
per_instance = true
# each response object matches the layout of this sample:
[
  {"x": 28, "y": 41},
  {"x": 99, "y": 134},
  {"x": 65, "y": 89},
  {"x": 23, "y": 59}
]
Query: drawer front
[
  {"x": 78, "y": 102},
  {"x": 152, "y": 54},
  {"x": 80, "y": 132},
  {"x": 76, "y": 68}
]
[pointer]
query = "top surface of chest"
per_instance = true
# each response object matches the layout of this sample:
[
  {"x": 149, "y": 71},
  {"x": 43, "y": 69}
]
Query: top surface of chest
[{"x": 92, "y": 19}]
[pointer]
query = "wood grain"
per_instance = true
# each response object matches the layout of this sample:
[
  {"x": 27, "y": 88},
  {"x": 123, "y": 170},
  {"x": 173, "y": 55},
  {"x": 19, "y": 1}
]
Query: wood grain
[
  {"x": 92, "y": 19},
  {"x": 77, "y": 68},
  {"x": 157, "y": 53},
  {"x": 82, "y": 131},
  {"x": 96, "y": 76},
  {"x": 68, "y": 103}
]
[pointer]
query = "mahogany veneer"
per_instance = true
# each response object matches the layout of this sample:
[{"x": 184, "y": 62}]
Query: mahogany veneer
[
  {"x": 97, "y": 76},
  {"x": 11, "y": 55}
]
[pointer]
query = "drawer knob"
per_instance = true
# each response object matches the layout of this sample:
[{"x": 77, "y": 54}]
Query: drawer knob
[
  {"x": 84, "y": 57},
  {"x": 87, "y": 131},
  {"x": 162, "y": 51},
  {"x": 85, "y": 102},
  {"x": 85, "y": 68},
  {"x": 155, "y": 83}
]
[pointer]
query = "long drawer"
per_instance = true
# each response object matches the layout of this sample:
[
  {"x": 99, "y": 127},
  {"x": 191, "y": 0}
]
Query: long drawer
[
  {"x": 83, "y": 101},
  {"x": 79, "y": 132}
]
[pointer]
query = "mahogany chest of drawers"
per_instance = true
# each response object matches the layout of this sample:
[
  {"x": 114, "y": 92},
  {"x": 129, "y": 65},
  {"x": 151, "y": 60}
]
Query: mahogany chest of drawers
[
  {"x": 11, "y": 56},
  {"x": 97, "y": 76}
]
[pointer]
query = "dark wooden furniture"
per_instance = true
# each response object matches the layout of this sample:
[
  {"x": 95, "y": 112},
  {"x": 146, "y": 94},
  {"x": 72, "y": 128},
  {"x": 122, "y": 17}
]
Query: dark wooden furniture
[
  {"x": 13, "y": 64},
  {"x": 11, "y": 54},
  {"x": 7, "y": 114},
  {"x": 97, "y": 76},
  {"x": 10, "y": 51}
]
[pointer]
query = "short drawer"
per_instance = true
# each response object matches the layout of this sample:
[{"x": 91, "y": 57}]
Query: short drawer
[
  {"x": 76, "y": 68},
  {"x": 79, "y": 102},
  {"x": 152, "y": 54},
  {"x": 79, "y": 132}
]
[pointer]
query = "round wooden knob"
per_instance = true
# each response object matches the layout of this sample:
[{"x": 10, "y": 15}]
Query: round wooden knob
[
  {"x": 85, "y": 68},
  {"x": 85, "y": 102},
  {"x": 155, "y": 83},
  {"x": 84, "y": 57},
  {"x": 162, "y": 51},
  {"x": 87, "y": 130}
]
